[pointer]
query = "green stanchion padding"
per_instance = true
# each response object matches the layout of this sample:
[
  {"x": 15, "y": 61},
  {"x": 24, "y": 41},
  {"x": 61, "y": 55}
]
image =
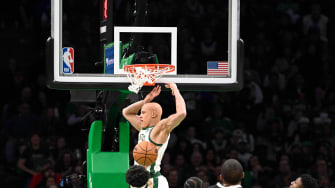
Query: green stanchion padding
[
  {"x": 127, "y": 60},
  {"x": 107, "y": 169}
]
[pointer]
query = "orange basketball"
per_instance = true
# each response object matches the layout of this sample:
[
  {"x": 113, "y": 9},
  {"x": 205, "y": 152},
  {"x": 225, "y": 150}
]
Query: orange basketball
[{"x": 145, "y": 153}]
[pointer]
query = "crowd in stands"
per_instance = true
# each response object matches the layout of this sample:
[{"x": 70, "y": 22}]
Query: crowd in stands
[{"x": 280, "y": 125}]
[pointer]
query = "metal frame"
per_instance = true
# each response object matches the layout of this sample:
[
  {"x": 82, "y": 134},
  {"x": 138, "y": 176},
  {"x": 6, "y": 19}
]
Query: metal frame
[
  {"x": 119, "y": 81},
  {"x": 118, "y": 30}
]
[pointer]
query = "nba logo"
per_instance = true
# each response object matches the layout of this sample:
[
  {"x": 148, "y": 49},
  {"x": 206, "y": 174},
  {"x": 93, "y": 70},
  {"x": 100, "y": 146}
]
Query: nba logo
[{"x": 68, "y": 60}]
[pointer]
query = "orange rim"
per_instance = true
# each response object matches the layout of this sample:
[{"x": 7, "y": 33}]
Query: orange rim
[{"x": 131, "y": 68}]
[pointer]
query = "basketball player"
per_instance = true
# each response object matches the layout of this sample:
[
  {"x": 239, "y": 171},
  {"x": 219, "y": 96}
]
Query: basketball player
[
  {"x": 231, "y": 175},
  {"x": 154, "y": 129},
  {"x": 304, "y": 181}
]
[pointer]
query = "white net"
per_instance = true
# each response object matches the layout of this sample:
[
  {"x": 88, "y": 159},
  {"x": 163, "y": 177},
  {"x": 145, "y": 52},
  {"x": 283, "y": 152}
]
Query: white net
[{"x": 139, "y": 76}]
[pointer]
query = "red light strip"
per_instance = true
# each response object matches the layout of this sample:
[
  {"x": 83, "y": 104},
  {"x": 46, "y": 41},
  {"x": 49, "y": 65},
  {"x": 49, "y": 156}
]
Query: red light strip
[{"x": 105, "y": 9}]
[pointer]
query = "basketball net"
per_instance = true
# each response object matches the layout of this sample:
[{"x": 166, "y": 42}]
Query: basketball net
[{"x": 145, "y": 74}]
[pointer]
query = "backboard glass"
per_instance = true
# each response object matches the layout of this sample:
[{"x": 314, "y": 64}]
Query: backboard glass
[{"x": 200, "y": 38}]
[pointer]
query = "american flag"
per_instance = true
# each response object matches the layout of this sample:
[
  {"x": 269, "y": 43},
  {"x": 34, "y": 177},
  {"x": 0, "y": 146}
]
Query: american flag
[{"x": 219, "y": 68}]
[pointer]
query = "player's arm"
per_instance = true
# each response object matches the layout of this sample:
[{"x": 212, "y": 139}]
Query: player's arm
[
  {"x": 175, "y": 119},
  {"x": 130, "y": 112}
]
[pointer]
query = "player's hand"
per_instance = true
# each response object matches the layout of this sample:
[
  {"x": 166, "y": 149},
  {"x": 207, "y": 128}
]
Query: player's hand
[
  {"x": 153, "y": 94},
  {"x": 172, "y": 86}
]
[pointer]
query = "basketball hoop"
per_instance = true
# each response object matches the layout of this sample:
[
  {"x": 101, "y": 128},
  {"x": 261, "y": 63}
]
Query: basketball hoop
[{"x": 145, "y": 74}]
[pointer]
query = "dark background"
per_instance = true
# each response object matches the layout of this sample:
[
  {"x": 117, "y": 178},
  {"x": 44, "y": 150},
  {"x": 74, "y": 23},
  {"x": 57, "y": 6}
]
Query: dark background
[{"x": 281, "y": 124}]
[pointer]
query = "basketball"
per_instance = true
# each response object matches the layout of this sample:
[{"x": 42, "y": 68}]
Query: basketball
[{"x": 145, "y": 153}]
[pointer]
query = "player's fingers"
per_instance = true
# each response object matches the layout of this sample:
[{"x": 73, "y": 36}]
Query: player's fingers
[
  {"x": 154, "y": 89},
  {"x": 158, "y": 88},
  {"x": 167, "y": 85}
]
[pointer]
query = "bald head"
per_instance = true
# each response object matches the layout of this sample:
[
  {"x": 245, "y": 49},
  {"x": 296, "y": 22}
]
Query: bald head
[
  {"x": 154, "y": 107},
  {"x": 232, "y": 172},
  {"x": 151, "y": 114}
]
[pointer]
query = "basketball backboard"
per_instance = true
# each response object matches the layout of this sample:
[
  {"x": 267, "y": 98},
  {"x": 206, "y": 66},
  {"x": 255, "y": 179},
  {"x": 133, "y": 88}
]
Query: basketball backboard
[{"x": 200, "y": 38}]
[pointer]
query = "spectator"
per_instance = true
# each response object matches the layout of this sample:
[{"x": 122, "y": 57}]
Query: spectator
[
  {"x": 285, "y": 174},
  {"x": 208, "y": 46},
  {"x": 322, "y": 169},
  {"x": 24, "y": 123},
  {"x": 196, "y": 162},
  {"x": 46, "y": 177},
  {"x": 255, "y": 170},
  {"x": 316, "y": 21},
  {"x": 192, "y": 137},
  {"x": 31, "y": 160},
  {"x": 182, "y": 165},
  {"x": 65, "y": 163},
  {"x": 203, "y": 175},
  {"x": 219, "y": 141},
  {"x": 173, "y": 178},
  {"x": 211, "y": 160},
  {"x": 57, "y": 146},
  {"x": 243, "y": 154}
]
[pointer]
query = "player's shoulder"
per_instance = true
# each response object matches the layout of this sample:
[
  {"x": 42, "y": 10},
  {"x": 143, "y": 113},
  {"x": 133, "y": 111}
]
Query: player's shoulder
[
  {"x": 162, "y": 126},
  {"x": 162, "y": 123}
]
